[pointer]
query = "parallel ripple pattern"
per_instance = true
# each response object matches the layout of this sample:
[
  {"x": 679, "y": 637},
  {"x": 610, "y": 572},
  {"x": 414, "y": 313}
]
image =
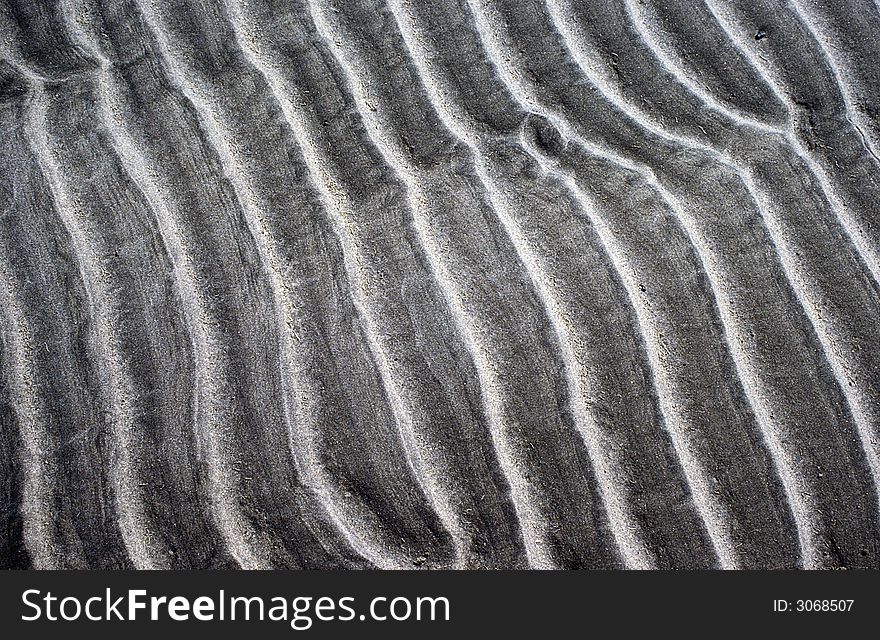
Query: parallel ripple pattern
[{"x": 440, "y": 284}]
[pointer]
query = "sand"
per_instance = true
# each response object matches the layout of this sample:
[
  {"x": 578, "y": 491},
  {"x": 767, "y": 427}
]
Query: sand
[{"x": 461, "y": 284}]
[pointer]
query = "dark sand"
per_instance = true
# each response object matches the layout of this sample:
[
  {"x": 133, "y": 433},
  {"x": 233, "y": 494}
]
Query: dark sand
[{"x": 439, "y": 284}]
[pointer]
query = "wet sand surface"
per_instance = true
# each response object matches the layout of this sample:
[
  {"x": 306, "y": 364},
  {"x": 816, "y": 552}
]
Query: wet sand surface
[{"x": 461, "y": 284}]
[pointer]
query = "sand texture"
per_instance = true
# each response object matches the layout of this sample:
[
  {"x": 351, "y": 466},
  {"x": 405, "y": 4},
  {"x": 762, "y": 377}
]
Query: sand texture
[{"x": 439, "y": 283}]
